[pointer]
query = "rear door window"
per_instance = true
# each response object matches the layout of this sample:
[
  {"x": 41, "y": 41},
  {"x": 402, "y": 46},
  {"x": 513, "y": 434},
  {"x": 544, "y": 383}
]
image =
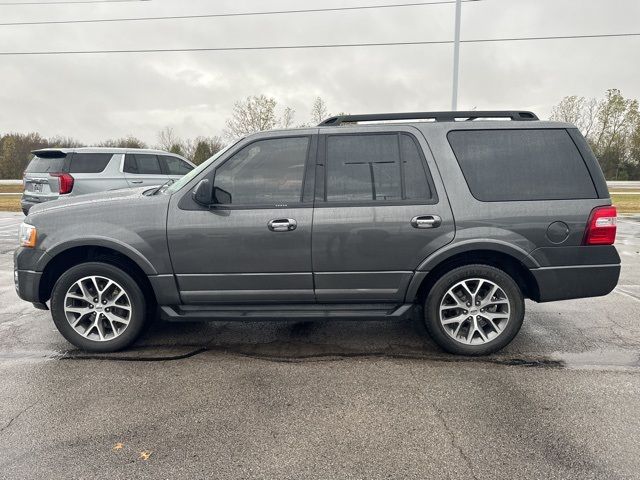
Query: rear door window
[
  {"x": 89, "y": 162},
  {"x": 174, "y": 165},
  {"x": 130, "y": 165},
  {"x": 375, "y": 168},
  {"x": 143, "y": 164},
  {"x": 523, "y": 164}
]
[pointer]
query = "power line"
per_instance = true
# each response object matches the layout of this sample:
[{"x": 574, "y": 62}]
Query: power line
[
  {"x": 67, "y": 2},
  {"x": 300, "y": 47},
  {"x": 235, "y": 14}
]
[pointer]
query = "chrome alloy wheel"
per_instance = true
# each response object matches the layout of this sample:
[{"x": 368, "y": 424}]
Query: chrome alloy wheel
[
  {"x": 97, "y": 308},
  {"x": 474, "y": 311}
]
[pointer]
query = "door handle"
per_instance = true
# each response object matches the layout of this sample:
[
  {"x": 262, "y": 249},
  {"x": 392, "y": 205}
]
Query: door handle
[
  {"x": 282, "y": 225},
  {"x": 136, "y": 181},
  {"x": 426, "y": 221}
]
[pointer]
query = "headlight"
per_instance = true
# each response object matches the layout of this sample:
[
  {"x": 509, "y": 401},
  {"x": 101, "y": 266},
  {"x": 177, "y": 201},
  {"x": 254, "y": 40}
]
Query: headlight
[{"x": 28, "y": 235}]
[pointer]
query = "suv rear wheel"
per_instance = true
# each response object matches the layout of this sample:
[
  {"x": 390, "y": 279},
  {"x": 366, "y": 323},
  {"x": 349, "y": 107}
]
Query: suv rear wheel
[
  {"x": 474, "y": 310},
  {"x": 98, "y": 307}
]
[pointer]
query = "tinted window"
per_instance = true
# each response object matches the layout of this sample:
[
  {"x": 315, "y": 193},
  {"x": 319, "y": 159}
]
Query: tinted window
[
  {"x": 415, "y": 179},
  {"x": 505, "y": 165},
  {"x": 143, "y": 164},
  {"x": 42, "y": 165},
  {"x": 267, "y": 172},
  {"x": 89, "y": 162},
  {"x": 175, "y": 166},
  {"x": 130, "y": 165},
  {"x": 368, "y": 168}
]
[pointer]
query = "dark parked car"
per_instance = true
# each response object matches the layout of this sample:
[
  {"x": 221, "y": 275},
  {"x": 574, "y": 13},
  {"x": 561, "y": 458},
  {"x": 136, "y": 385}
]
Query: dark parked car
[{"x": 345, "y": 220}]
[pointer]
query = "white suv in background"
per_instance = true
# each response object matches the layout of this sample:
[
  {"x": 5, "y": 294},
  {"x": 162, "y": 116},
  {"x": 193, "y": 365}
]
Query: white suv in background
[{"x": 56, "y": 172}]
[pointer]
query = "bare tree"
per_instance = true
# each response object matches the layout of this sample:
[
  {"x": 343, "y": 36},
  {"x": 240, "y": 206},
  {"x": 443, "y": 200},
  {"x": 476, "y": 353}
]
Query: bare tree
[
  {"x": 287, "y": 117},
  {"x": 126, "y": 142},
  {"x": 318, "y": 111},
  {"x": 253, "y": 114},
  {"x": 256, "y": 114},
  {"x": 582, "y": 112},
  {"x": 167, "y": 139}
]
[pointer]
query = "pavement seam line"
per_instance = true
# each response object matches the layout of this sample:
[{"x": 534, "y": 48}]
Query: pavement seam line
[
  {"x": 16, "y": 416},
  {"x": 441, "y": 418}
]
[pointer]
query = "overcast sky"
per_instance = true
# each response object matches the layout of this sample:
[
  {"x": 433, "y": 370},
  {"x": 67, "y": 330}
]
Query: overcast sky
[{"x": 94, "y": 97}]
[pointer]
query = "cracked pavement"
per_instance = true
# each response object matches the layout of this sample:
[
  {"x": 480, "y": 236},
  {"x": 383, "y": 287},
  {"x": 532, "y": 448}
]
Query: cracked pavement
[{"x": 326, "y": 399}]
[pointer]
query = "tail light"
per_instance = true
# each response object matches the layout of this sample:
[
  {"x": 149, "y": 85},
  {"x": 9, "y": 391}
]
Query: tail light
[
  {"x": 65, "y": 182},
  {"x": 601, "y": 229}
]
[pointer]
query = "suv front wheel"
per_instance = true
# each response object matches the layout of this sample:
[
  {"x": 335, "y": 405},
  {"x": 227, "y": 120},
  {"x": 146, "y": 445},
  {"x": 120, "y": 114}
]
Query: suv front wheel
[
  {"x": 98, "y": 307},
  {"x": 474, "y": 310}
]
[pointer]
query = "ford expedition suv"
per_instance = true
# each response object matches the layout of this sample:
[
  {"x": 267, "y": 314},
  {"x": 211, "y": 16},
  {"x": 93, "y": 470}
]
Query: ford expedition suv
[{"x": 361, "y": 217}]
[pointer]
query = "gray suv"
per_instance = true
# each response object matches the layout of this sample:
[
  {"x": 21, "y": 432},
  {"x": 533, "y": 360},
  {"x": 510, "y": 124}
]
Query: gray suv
[
  {"x": 53, "y": 173},
  {"x": 363, "y": 217}
]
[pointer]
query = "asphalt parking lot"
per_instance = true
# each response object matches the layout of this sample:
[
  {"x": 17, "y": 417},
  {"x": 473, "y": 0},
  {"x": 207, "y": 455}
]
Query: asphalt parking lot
[{"x": 326, "y": 399}]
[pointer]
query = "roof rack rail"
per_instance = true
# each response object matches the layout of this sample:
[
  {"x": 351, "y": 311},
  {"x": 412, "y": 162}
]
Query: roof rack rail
[{"x": 515, "y": 115}]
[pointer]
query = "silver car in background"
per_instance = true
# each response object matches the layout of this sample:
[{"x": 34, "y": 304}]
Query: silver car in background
[{"x": 55, "y": 173}]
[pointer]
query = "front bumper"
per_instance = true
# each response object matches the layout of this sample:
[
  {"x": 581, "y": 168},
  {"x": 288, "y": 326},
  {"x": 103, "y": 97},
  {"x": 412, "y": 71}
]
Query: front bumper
[
  {"x": 26, "y": 277},
  {"x": 27, "y": 285}
]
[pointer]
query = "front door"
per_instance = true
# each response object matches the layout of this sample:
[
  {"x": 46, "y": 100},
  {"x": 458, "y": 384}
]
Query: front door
[
  {"x": 256, "y": 246},
  {"x": 379, "y": 212}
]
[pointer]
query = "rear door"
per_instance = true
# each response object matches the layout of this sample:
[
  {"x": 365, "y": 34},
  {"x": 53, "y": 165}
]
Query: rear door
[
  {"x": 380, "y": 210},
  {"x": 143, "y": 169},
  {"x": 174, "y": 167},
  {"x": 40, "y": 181}
]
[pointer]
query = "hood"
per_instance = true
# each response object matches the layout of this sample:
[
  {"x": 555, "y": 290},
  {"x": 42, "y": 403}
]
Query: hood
[{"x": 123, "y": 196}]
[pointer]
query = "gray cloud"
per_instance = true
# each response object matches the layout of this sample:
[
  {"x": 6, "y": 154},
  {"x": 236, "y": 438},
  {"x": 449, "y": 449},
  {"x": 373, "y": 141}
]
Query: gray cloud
[{"x": 99, "y": 96}]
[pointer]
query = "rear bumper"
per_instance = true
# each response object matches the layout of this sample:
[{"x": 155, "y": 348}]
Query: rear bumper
[
  {"x": 27, "y": 201},
  {"x": 566, "y": 282}
]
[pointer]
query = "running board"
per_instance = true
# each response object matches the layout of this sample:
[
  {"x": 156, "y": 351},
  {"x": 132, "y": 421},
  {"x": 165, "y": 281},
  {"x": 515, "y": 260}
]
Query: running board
[{"x": 190, "y": 313}]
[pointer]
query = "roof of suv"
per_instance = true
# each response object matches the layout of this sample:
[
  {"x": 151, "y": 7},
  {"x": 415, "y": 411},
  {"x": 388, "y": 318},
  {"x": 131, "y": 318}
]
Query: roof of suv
[
  {"x": 103, "y": 150},
  {"x": 444, "y": 116},
  {"x": 471, "y": 119}
]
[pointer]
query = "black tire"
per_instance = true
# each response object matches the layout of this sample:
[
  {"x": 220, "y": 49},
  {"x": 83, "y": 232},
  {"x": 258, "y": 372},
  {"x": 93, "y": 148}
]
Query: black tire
[
  {"x": 25, "y": 211},
  {"x": 136, "y": 297},
  {"x": 451, "y": 278}
]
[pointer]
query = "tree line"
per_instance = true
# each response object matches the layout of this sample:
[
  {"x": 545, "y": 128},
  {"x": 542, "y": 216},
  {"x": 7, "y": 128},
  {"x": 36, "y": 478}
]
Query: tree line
[
  {"x": 610, "y": 124},
  {"x": 253, "y": 114},
  {"x": 612, "y": 128}
]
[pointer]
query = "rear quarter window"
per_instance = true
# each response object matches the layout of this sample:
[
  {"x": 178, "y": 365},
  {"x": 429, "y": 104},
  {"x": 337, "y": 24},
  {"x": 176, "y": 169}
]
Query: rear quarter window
[
  {"x": 523, "y": 164},
  {"x": 89, "y": 162}
]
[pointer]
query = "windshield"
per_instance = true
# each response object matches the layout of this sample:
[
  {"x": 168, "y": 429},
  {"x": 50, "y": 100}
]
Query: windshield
[{"x": 196, "y": 171}]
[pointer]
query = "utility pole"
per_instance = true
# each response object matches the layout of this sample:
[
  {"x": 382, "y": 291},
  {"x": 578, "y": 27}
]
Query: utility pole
[{"x": 456, "y": 57}]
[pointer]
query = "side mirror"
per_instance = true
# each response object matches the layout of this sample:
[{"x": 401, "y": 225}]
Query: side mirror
[
  {"x": 203, "y": 193},
  {"x": 221, "y": 196}
]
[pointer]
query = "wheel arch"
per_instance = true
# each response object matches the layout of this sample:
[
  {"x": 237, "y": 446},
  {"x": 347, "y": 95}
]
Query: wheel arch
[
  {"x": 64, "y": 258},
  {"x": 96, "y": 243},
  {"x": 512, "y": 261}
]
